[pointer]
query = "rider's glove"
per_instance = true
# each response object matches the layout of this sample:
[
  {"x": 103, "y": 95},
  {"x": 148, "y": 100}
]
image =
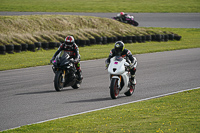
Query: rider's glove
[
  {"x": 52, "y": 59},
  {"x": 131, "y": 66},
  {"x": 107, "y": 64}
]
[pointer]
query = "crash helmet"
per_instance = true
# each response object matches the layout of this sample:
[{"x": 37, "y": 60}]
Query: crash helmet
[
  {"x": 119, "y": 47},
  {"x": 121, "y": 13},
  {"x": 69, "y": 40}
]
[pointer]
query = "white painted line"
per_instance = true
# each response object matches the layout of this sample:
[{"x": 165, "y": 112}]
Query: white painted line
[{"x": 112, "y": 106}]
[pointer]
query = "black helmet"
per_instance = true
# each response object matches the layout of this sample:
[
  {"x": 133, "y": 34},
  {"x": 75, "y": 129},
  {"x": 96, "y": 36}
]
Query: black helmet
[{"x": 119, "y": 47}]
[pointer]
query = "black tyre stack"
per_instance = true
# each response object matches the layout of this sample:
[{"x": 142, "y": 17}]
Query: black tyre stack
[
  {"x": 17, "y": 48},
  {"x": 10, "y": 48},
  {"x": 2, "y": 49}
]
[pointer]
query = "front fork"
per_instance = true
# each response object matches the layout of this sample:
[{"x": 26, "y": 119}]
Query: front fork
[
  {"x": 63, "y": 76},
  {"x": 119, "y": 80}
]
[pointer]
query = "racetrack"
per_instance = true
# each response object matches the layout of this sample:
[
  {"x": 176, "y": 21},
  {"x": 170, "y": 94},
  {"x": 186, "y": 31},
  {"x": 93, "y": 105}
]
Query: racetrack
[{"x": 28, "y": 96}]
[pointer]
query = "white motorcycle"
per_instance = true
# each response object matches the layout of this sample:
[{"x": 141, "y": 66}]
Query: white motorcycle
[{"x": 120, "y": 77}]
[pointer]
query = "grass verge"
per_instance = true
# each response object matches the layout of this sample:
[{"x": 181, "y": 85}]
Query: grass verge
[
  {"x": 101, "y": 6},
  {"x": 174, "y": 113},
  {"x": 190, "y": 39}
]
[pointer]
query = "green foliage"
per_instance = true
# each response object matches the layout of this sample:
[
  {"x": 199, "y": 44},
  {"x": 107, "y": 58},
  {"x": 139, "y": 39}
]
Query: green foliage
[{"x": 101, "y": 5}]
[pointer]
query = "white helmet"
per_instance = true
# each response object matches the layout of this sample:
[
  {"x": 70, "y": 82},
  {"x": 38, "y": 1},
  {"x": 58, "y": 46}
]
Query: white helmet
[{"x": 69, "y": 40}]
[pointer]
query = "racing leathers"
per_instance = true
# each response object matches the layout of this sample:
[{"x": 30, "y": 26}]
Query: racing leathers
[
  {"x": 122, "y": 18},
  {"x": 126, "y": 54},
  {"x": 73, "y": 52}
]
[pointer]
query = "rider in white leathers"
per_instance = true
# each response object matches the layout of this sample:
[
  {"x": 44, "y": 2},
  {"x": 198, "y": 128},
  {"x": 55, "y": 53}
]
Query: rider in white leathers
[{"x": 119, "y": 50}]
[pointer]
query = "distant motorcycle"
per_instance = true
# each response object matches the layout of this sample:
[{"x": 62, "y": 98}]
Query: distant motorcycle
[
  {"x": 65, "y": 72},
  {"x": 120, "y": 77},
  {"x": 129, "y": 19}
]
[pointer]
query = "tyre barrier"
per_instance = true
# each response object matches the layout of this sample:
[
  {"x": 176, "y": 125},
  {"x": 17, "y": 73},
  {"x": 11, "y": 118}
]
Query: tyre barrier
[
  {"x": 38, "y": 45},
  {"x": 104, "y": 40},
  {"x": 52, "y": 45},
  {"x": 148, "y": 38},
  {"x": 129, "y": 39},
  {"x": 31, "y": 47},
  {"x": 87, "y": 42},
  {"x": 139, "y": 39},
  {"x": 82, "y": 43},
  {"x": 177, "y": 37},
  {"x": 10, "y": 48},
  {"x": 158, "y": 37},
  {"x": 124, "y": 39},
  {"x": 119, "y": 38},
  {"x": 58, "y": 44},
  {"x": 45, "y": 45},
  {"x": 2, "y": 49},
  {"x": 143, "y": 39},
  {"x": 166, "y": 37},
  {"x": 24, "y": 47},
  {"x": 77, "y": 41},
  {"x": 92, "y": 41},
  {"x": 134, "y": 39},
  {"x": 171, "y": 36},
  {"x": 17, "y": 48},
  {"x": 99, "y": 40}
]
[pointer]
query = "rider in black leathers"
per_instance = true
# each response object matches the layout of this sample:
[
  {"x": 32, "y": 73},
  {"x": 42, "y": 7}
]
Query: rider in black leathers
[
  {"x": 122, "y": 16},
  {"x": 119, "y": 50},
  {"x": 72, "y": 49}
]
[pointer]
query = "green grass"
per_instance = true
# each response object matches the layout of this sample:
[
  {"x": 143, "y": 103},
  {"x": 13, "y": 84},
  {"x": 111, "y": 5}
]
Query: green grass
[
  {"x": 174, "y": 113},
  {"x": 190, "y": 39},
  {"x": 165, "y": 6}
]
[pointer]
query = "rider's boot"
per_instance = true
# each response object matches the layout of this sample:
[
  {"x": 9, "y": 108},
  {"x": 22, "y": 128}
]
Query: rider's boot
[
  {"x": 133, "y": 80},
  {"x": 80, "y": 77}
]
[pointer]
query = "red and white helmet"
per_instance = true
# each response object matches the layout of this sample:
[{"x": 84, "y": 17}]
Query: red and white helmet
[
  {"x": 69, "y": 40},
  {"x": 121, "y": 13}
]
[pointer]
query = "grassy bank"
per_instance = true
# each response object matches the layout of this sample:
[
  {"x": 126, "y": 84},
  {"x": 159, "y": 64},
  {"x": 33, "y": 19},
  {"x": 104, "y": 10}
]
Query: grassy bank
[
  {"x": 101, "y": 6},
  {"x": 54, "y": 28},
  {"x": 190, "y": 39},
  {"x": 175, "y": 113}
]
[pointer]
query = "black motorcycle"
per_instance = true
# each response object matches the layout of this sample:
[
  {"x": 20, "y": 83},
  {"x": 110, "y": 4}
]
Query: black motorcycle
[
  {"x": 65, "y": 72},
  {"x": 129, "y": 19}
]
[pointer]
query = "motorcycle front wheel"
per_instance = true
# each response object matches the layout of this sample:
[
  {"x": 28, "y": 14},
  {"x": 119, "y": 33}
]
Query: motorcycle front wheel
[
  {"x": 114, "y": 89},
  {"x": 58, "y": 84}
]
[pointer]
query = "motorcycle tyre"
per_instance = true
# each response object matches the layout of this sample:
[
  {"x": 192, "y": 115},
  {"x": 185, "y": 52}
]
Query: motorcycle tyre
[
  {"x": 130, "y": 91},
  {"x": 114, "y": 90},
  {"x": 135, "y": 23},
  {"x": 58, "y": 85},
  {"x": 77, "y": 85}
]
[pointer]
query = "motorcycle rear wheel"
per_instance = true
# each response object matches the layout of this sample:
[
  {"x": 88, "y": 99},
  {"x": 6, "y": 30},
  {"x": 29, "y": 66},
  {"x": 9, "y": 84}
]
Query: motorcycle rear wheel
[
  {"x": 130, "y": 91},
  {"x": 135, "y": 23},
  {"x": 58, "y": 84},
  {"x": 114, "y": 89},
  {"x": 77, "y": 85}
]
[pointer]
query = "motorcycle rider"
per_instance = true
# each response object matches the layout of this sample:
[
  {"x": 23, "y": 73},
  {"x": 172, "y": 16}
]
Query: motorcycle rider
[
  {"x": 72, "y": 49},
  {"x": 119, "y": 50},
  {"x": 122, "y": 16}
]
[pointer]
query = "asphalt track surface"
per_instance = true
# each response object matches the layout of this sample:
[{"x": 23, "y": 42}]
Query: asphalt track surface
[{"x": 28, "y": 96}]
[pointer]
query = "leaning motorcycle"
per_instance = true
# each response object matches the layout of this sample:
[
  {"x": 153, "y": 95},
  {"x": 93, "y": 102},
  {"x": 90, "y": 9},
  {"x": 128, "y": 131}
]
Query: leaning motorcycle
[
  {"x": 129, "y": 19},
  {"x": 65, "y": 72},
  {"x": 120, "y": 77}
]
